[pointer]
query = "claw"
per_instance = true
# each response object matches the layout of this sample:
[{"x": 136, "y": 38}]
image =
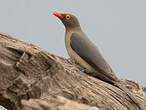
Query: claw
[
  {"x": 84, "y": 70},
  {"x": 71, "y": 60}
]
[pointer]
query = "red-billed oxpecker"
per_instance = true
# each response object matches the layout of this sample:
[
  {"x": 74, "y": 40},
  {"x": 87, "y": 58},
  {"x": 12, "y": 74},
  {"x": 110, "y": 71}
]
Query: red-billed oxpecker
[{"x": 86, "y": 54}]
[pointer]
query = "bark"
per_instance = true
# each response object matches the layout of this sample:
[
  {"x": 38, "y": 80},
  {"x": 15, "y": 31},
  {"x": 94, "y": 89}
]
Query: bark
[
  {"x": 56, "y": 103},
  {"x": 31, "y": 77}
]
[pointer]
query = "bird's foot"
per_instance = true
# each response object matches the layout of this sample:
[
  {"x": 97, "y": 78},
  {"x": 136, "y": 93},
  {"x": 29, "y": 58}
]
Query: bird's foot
[
  {"x": 78, "y": 66},
  {"x": 71, "y": 60},
  {"x": 85, "y": 71},
  {"x": 82, "y": 69}
]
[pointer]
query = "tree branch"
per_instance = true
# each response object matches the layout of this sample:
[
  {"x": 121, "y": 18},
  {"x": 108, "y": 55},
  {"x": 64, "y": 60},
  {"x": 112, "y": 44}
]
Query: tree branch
[{"x": 29, "y": 72}]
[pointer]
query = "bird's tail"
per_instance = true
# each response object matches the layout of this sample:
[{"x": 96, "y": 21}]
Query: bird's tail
[{"x": 131, "y": 96}]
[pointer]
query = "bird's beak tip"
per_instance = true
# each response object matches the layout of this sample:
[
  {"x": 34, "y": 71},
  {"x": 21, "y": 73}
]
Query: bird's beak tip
[{"x": 59, "y": 15}]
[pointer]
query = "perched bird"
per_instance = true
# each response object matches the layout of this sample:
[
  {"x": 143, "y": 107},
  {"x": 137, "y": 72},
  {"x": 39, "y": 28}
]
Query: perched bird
[{"x": 86, "y": 54}]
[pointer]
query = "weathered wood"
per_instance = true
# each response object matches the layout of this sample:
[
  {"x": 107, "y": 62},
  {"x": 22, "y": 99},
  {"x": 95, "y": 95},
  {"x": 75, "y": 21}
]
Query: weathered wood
[
  {"x": 56, "y": 103},
  {"x": 28, "y": 72}
]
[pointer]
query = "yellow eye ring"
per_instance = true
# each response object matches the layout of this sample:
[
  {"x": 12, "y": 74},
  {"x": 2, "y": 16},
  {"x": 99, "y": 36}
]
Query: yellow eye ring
[{"x": 67, "y": 16}]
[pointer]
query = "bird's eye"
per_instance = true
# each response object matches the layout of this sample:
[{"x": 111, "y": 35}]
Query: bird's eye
[{"x": 67, "y": 16}]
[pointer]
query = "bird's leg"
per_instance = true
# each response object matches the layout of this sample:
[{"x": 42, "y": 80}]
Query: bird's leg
[
  {"x": 85, "y": 71},
  {"x": 71, "y": 60},
  {"x": 81, "y": 68}
]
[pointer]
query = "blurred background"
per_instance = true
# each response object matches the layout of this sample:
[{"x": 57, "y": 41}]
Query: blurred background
[{"x": 117, "y": 27}]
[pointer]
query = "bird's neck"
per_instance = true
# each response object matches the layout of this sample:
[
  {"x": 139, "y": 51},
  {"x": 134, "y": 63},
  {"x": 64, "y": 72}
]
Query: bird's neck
[{"x": 73, "y": 28}]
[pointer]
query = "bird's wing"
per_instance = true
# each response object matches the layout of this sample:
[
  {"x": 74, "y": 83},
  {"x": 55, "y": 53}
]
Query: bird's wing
[{"x": 90, "y": 53}]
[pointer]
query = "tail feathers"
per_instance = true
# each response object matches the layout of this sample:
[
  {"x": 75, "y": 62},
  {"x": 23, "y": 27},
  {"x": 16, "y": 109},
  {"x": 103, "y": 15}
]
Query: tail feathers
[{"x": 131, "y": 96}]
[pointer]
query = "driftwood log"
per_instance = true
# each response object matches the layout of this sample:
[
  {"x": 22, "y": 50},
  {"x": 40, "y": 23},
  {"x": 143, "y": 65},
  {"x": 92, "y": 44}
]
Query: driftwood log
[{"x": 33, "y": 79}]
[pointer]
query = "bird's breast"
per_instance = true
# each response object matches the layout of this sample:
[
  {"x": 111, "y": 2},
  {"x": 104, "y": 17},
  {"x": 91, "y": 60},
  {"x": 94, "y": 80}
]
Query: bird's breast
[{"x": 73, "y": 55}]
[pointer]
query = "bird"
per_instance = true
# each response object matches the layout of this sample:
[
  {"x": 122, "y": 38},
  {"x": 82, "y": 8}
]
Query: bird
[{"x": 87, "y": 55}]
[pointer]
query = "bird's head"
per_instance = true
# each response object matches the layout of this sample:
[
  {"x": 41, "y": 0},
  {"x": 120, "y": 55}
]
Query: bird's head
[{"x": 69, "y": 21}]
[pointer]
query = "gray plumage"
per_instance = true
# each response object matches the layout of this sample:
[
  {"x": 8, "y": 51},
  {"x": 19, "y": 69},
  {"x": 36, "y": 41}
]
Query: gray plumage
[{"x": 88, "y": 52}]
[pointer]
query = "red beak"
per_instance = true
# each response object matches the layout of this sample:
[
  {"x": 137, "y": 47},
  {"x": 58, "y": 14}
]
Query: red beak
[{"x": 58, "y": 15}]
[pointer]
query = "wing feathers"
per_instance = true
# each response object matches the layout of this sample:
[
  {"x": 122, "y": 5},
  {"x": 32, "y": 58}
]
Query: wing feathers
[{"x": 88, "y": 52}]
